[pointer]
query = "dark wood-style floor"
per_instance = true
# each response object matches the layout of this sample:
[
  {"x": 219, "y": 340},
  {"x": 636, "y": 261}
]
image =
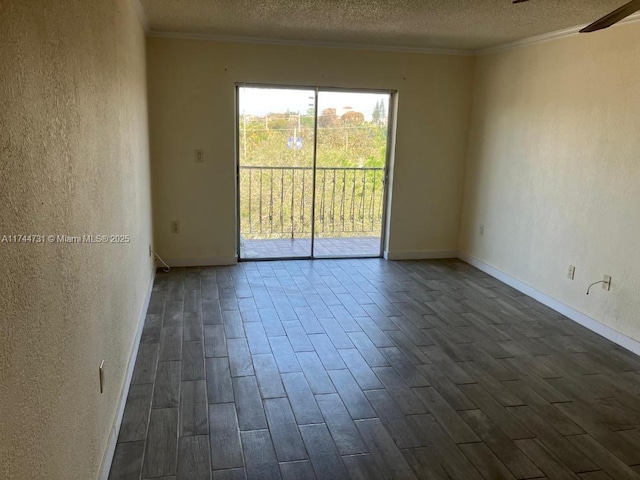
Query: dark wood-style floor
[{"x": 368, "y": 369}]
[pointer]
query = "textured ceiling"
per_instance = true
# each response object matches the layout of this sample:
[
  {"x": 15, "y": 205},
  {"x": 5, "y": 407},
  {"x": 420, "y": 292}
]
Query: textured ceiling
[{"x": 448, "y": 24}]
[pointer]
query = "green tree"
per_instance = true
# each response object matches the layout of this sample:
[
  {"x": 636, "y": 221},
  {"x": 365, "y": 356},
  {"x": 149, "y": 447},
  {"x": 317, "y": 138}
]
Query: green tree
[{"x": 378, "y": 112}]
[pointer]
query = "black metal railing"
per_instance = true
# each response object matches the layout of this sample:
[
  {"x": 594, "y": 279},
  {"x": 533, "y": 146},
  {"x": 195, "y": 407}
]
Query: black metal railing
[{"x": 277, "y": 202}]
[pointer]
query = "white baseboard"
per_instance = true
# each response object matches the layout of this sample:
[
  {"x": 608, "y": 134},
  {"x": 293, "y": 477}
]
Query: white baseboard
[
  {"x": 420, "y": 255},
  {"x": 201, "y": 262},
  {"x": 562, "y": 308},
  {"x": 105, "y": 466}
]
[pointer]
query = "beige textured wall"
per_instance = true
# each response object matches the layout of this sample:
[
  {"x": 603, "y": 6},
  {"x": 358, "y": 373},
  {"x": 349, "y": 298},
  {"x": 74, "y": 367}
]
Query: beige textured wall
[
  {"x": 554, "y": 173},
  {"x": 74, "y": 160},
  {"x": 191, "y": 101}
]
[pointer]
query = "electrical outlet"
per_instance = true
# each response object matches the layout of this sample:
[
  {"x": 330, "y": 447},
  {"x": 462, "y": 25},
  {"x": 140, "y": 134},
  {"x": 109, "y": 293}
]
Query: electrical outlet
[
  {"x": 175, "y": 226},
  {"x": 482, "y": 230},
  {"x": 101, "y": 376},
  {"x": 572, "y": 272},
  {"x": 199, "y": 156},
  {"x": 606, "y": 284}
]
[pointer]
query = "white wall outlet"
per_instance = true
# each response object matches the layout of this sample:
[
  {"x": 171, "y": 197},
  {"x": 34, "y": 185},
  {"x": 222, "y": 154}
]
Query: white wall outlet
[
  {"x": 571, "y": 272},
  {"x": 606, "y": 284},
  {"x": 175, "y": 226},
  {"x": 481, "y": 231},
  {"x": 199, "y": 156}
]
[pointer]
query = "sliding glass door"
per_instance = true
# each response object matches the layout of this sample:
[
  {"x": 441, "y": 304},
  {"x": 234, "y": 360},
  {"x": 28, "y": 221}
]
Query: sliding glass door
[
  {"x": 275, "y": 160},
  {"x": 351, "y": 158},
  {"x": 312, "y": 166}
]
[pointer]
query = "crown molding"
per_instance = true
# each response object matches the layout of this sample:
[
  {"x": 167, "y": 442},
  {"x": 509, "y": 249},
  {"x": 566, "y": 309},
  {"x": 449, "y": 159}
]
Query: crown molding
[
  {"x": 302, "y": 43},
  {"x": 546, "y": 37},
  {"x": 142, "y": 16}
]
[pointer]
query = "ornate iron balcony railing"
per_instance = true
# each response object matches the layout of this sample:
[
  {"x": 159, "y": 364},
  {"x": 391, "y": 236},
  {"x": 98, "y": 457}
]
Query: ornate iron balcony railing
[{"x": 276, "y": 202}]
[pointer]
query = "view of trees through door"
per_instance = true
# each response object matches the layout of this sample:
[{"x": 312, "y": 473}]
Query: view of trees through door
[{"x": 311, "y": 180}]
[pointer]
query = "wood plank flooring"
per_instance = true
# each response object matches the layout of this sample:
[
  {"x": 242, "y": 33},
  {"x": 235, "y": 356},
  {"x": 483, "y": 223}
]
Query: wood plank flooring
[{"x": 368, "y": 369}]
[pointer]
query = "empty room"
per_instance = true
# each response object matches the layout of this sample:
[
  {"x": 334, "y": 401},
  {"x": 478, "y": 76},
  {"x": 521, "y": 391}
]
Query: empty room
[{"x": 319, "y": 240}]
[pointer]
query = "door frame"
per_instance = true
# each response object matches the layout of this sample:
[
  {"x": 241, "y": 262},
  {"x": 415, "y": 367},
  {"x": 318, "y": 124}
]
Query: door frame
[{"x": 389, "y": 157}]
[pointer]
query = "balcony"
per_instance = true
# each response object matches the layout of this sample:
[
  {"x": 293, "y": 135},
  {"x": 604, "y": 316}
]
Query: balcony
[{"x": 279, "y": 213}]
